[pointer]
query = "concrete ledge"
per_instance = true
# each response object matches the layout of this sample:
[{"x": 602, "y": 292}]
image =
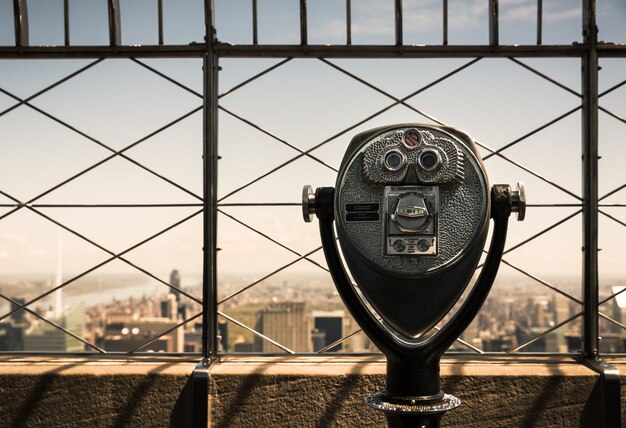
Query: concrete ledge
[
  {"x": 249, "y": 391},
  {"x": 85, "y": 392},
  {"x": 329, "y": 391}
]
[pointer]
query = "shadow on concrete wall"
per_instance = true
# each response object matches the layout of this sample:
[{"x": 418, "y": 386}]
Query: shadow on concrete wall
[
  {"x": 182, "y": 412},
  {"x": 138, "y": 398},
  {"x": 244, "y": 392},
  {"x": 342, "y": 395},
  {"x": 36, "y": 396}
]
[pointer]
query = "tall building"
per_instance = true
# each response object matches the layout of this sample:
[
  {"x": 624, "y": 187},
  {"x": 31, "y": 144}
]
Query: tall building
[
  {"x": 124, "y": 332},
  {"x": 618, "y": 310},
  {"x": 561, "y": 307},
  {"x": 169, "y": 307},
  {"x": 181, "y": 306},
  {"x": 222, "y": 328},
  {"x": 331, "y": 323},
  {"x": 471, "y": 335},
  {"x": 318, "y": 339},
  {"x": 175, "y": 283},
  {"x": 43, "y": 337},
  {"x": 19, "y": 316},
  {"x": 12, "y": 330},
  {"x": 287, "y": 324},
  {"x": 58, "y": 294}
]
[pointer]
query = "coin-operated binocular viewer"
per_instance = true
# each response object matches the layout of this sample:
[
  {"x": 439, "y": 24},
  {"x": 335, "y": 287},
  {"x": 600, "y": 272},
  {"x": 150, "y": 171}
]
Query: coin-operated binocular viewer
[{"x": 411, "y": 208}]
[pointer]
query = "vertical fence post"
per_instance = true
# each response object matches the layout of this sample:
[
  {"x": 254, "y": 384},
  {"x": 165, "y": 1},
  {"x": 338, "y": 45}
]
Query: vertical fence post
[
  {"x": 66, "y": 22},
  {"x": 304, "y": 40},
  {"x": 210, "y": 157},
  {"x": 398, "y": 22},
  {"x": 494, "y": 31},
  {"x": 20, "y": 17},
  {"x": 160, "y": 20},
  {"x": 348, "y": 22},
  {"x": 539, "y": 21},
  {"x": 445, "y": 22},
  {"x": 590, "y": 343},
  {"x": 115, "y": 31},
  {"x": 255, "y": 25}
]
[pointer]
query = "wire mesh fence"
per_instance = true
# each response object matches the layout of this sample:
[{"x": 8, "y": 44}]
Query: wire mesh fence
[{"x": 197, "y": 159}]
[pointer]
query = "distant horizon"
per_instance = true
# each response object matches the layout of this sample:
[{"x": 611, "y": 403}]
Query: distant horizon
[{"x": 44, "y": 276}]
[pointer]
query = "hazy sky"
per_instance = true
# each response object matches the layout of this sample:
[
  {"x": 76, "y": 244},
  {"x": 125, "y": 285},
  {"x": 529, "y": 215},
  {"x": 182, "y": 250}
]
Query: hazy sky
[{"x": 303, "y": 102}]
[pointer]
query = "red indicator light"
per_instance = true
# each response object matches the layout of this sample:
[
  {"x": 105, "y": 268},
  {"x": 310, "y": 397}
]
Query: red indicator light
[{"x": 412, "y": 139}]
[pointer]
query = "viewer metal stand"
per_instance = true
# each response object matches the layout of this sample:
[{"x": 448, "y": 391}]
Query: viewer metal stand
[{"x": 413, "y": 397}]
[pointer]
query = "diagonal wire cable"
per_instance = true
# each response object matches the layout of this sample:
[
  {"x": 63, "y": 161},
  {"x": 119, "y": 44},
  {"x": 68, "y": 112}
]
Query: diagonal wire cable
[
  {"x": 379, "y": 90},
  {"x": 236, "y": 293},
  {"x": 613, "y": 115},
  {"x": 114, "y": 257},
  {"x": 612, "y": 192},
  {"x": 115, "y": 154},
  {"x": 545, "y": 77},
  {"x": 533, "y": 132},
  {"x": 612, "y": 321},
  {"x": 339, "y": 341},
  {"x": 612, "y": 88},
  {"x": 528, "y": 170},
  {"x": 464, "y": 343},
  {"x": 280, "y": 140},
  {"x": 255, "y": 77},
  {"x": 542, "y": 232},
  {"x": 168, "y": 331},
  {"x": 166, "y": 77},
  {"x": 612, "y": 218},
  {"x": 50, "y": 87},
  {"x": 612, "y": 296},
  {"x": 53, "y": 324},
  {"x": 542, "y": 282},
  {"x": 555, "y": 327},
  {"x": 535, "y": 236},
  {"x": 350, "y": 128},
  {"x": 542, "y": 334},
  {"x": 256, "y": 333},
  {"x": 269, "y": 238}
]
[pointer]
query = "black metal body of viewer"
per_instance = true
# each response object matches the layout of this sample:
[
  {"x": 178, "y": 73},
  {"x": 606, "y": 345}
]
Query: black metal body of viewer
[{"x": 411, "y": 206}]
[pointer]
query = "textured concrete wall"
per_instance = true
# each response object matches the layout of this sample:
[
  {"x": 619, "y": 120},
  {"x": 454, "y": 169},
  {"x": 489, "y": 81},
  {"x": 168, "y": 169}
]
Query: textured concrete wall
[
  {"x": 304, "y": 392},
  {"x": 284, "y": 391},
  {"x": 35, "y": 392}
]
